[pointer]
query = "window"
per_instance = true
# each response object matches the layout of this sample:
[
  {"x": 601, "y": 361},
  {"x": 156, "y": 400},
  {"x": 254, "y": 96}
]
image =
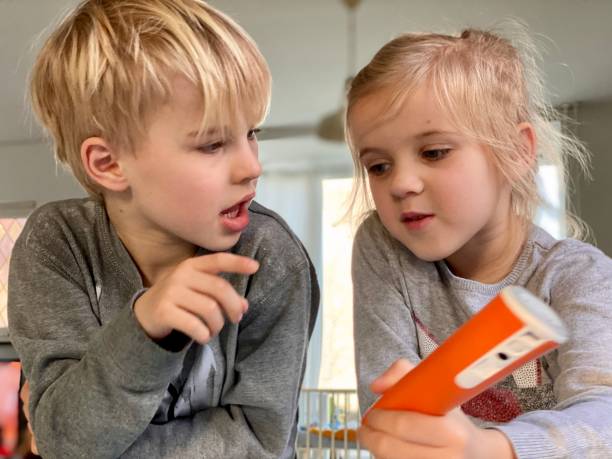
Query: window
[
  {"x": 10, "y": 228},
  {"x": 337, "y": 358},
  {"x": 551, "y": 215}
]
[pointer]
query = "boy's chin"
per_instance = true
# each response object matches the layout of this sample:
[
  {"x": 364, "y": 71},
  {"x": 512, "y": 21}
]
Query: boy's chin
[{"x": 221, "y": 244}]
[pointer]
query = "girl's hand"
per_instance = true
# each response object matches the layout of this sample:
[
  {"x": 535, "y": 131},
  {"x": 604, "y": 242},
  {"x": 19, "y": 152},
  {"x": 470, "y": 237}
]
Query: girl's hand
[
  {"x": 408, "y": 434},
  {"x": 193, "y": 299}
]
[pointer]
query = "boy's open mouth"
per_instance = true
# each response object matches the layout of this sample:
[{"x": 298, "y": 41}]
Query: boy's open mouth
[
  {"x": 236, "y": 218},
  {"x": 235, "y": 210},
  {"x": 232, "y": 212}
]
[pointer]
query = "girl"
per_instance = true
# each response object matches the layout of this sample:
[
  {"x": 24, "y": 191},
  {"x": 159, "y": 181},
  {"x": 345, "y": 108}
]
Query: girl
[{"x": 448, "y": 132}]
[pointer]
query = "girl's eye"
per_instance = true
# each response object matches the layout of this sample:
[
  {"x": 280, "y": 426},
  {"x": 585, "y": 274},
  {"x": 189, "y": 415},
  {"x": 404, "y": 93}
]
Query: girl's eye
[
  {"x": 252, "y": 135},
  {"x": 378, "y": 169},
  {"x": 435, "y": 154},
  {"x": 211, "y": 147}
]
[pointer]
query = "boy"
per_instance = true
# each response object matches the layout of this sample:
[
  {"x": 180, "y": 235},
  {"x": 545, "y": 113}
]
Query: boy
[{"x": 140, "y": 334}]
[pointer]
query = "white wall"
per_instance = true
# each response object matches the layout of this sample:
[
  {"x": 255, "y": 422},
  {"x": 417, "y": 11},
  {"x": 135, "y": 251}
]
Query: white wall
[
  {"x": 594, "y": 198},
  {"x": 29, "y": 172}
]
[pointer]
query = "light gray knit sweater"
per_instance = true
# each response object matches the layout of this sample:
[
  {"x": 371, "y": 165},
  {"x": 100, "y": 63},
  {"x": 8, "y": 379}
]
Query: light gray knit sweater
[{"x": 557, "y": 407}]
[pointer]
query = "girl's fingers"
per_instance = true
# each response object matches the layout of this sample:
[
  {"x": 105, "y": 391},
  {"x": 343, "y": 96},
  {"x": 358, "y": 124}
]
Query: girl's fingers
[
  {"x": 385, "y": 446},
  {"x": 391, "y": 376},
  {"x": 418, "y": 428}
]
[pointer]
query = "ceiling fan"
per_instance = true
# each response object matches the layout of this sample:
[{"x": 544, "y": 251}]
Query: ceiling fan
[{"x": 331, "y": 126}]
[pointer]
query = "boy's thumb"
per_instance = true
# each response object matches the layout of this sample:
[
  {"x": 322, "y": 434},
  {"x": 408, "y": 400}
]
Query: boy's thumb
[{"x": 393, "y": 374}]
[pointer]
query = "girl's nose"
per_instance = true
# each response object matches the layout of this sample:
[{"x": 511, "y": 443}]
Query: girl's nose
[{"x": 406, "y": 182}]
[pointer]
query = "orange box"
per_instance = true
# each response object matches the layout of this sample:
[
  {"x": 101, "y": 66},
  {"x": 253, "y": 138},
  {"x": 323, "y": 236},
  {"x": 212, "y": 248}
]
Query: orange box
[{"x": 513, "y": 329}]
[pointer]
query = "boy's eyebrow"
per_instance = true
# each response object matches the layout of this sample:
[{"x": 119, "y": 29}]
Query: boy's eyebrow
[{"x": 207, "y": 132}]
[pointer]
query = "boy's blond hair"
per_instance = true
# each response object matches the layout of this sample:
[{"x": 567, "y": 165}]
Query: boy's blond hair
[
  {"x": 487, "y": 85},
  {"x": 110, "y": 63}
]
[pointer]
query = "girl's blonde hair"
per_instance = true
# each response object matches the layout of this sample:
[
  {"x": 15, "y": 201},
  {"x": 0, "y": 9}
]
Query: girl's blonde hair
[
  {"x": 110, "y": 63},
  {"x": 488, "y": 86}
]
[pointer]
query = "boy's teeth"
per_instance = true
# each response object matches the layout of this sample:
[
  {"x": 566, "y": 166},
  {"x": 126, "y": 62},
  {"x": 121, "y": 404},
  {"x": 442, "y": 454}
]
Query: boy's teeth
[{"x": 232, "y": 213}]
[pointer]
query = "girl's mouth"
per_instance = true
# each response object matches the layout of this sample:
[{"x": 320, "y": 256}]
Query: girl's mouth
[{"x": 416, "y": 220}]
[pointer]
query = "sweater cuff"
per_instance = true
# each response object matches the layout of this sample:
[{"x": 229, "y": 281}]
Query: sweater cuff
[
  {"x": 138, "y": 356},
  {"x": 529, "y": 441}
]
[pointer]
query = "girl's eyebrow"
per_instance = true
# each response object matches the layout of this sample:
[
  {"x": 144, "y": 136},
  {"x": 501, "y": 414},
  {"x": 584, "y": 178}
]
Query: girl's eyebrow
[
  {"x": 433, "y": 133},
  {"x": 367, "y": 150},
  {"x": 420, "y": 136}
]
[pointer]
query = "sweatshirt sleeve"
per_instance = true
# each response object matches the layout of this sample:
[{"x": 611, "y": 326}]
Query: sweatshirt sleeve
[
  {"x": 384, "y": 329},
  {"x": 258, "y": 413},
  {"x": 92, "y": 388},
  {"x": 580, "y": 425}
]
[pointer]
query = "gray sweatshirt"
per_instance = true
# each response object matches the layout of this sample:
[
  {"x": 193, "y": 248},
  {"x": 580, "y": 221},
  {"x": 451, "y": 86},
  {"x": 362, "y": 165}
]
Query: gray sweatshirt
[
  {"x": 559, "y": 406},
  {"x": 100, "y": 388}
]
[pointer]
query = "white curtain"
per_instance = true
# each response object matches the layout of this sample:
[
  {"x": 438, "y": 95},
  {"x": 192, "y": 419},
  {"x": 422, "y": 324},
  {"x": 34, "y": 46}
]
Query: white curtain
[{"x": 296, "y": 196}]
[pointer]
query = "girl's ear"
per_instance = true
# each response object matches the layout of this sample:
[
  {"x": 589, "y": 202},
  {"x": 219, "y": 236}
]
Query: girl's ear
[
  {"x": 101, "y": 163},
  {"x": 528, "y": 140}
]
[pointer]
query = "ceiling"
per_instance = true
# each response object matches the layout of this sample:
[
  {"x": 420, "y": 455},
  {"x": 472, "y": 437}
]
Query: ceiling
[{"x": 305, "y": 44}]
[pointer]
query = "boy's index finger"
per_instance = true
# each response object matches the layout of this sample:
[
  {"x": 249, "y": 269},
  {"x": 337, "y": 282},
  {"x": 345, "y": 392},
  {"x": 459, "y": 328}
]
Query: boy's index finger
[{"x": 224, "y": 262}]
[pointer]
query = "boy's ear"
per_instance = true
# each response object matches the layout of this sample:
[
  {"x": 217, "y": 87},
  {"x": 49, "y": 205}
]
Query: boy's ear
[
  {"x": 528, "y": 139},
  {"x": 100, "y": 161}
]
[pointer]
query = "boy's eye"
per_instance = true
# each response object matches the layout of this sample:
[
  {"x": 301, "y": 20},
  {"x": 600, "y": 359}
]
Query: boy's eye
[
  {"x": 435, "y": 154},
  {"x": 378, "y": 169},
  {"x": 252, "y": 135},
  {"x": 211, "y": 147}
]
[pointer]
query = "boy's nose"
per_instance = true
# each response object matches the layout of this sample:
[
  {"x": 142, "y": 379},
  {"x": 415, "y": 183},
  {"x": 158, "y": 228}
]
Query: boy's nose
[{"x": 247, "y": 166}]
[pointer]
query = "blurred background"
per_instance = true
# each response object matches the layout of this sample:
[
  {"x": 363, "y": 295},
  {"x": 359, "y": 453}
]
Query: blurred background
[{"x": 312, "y": 47}]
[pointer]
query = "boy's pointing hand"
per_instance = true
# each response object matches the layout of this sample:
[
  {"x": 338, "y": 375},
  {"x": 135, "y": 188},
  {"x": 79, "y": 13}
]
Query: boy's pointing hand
[{"x": 193, "y": 299}]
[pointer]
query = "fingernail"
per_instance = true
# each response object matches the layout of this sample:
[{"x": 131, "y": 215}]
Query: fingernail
[{"x": 245, "y": 305}]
